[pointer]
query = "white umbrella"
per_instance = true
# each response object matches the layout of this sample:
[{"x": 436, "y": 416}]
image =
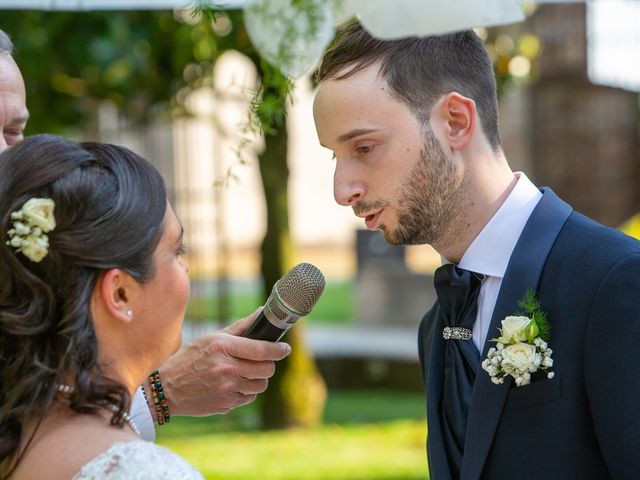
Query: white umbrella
[{"x": 293, "y": 35}]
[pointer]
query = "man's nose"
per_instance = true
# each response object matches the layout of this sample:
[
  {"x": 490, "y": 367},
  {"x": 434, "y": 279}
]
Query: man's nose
[{"x": 347, "y": 189}]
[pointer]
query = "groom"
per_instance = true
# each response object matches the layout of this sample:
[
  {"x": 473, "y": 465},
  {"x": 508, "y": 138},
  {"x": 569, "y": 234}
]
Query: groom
[{"x": 413, "y": 126}]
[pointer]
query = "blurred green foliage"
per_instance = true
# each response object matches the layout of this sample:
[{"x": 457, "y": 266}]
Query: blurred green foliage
[
  {"x": 513, "y": 51},
  {"x": 336, "y": 305},
  {"x": 343, "y": 407},
  {"x": 142, "y": 62}
]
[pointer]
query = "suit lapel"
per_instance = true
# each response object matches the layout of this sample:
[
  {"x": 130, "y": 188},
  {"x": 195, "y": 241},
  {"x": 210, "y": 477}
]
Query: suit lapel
[
  {"x": 523, "y": 273},
  {"x": 438, "y": 464}
]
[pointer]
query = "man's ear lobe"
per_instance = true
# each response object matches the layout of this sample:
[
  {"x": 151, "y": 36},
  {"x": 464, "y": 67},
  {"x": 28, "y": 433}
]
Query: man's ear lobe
[
  {"x": 457, "y": 115},
  {"x": 116, "y": 290}
]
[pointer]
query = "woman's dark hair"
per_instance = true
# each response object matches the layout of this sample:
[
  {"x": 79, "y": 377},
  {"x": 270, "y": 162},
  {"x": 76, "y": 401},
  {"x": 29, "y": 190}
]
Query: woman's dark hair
[{"x": 109, "y": 209}]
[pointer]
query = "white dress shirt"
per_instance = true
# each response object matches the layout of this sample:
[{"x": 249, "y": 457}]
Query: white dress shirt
[
  {"x": 490, "y": 251},
  {"x": 141, "y": 416}
]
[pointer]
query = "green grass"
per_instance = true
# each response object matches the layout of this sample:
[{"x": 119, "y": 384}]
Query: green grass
[
  {"x": 380, "y": 451},
  {"x": 370, "y": 435},
  {"x": 336, "y": 305}
]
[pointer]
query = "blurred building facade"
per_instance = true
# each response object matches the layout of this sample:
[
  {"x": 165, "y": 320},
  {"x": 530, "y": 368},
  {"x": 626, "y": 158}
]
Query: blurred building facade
[{"x": 569, "y": 130}]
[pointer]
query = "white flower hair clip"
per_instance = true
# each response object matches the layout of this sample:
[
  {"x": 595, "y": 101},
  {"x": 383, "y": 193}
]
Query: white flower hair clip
[{"x": 30, "y": 227}]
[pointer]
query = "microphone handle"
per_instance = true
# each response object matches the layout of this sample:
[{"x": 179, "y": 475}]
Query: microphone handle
[{"x": 263, "y": 329}]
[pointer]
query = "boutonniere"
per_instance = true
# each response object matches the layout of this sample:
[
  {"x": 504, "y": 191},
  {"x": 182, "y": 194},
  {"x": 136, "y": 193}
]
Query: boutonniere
[{"x": 522, "y": 346}]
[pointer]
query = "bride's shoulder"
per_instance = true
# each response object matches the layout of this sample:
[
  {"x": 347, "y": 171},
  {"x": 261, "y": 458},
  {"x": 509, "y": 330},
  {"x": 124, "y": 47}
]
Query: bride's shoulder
[{"x": 137, "y": 460}]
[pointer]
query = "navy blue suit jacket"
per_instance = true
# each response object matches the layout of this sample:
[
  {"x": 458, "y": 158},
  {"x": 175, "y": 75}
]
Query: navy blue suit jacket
[{"x": 585, "y": 422}]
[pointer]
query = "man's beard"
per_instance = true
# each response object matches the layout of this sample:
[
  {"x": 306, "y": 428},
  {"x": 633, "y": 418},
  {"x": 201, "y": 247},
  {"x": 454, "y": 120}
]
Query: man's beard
[{"x": 429, "y": 198}]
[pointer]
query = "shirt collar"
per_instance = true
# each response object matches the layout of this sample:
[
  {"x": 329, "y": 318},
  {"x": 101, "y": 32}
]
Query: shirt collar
[{"x": 490, "y": 251}]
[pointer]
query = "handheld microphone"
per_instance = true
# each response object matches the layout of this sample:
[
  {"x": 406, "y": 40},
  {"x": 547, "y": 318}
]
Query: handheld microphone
[{"x": 292, "y": 297}]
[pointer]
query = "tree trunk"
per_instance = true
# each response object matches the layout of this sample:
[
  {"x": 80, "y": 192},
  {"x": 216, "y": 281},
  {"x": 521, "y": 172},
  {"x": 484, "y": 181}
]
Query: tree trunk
[{"x": 297, "y": 392}]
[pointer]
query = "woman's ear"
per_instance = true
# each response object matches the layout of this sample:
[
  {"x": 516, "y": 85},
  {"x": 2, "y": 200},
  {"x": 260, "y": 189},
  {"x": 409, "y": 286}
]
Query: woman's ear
[
  {"x": 116, "y": 291},
  {"x": 455, "y": 116}
]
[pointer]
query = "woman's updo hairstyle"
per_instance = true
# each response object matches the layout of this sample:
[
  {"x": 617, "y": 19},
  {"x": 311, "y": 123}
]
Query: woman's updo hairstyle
[{"x": 109, "y": 209}]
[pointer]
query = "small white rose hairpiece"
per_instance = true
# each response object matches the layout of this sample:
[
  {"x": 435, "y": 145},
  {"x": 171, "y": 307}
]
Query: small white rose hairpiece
[{"x": 30, "y": 227}]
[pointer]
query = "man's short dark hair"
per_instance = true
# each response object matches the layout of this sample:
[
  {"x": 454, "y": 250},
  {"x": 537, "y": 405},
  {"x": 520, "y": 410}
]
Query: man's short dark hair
[
  {"x": 419, "y": 70},
  {"x": 5, "y": 43}
]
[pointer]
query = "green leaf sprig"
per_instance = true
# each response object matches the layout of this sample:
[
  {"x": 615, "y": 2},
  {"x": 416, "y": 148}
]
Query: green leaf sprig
[{"x": 539, "y": 326}]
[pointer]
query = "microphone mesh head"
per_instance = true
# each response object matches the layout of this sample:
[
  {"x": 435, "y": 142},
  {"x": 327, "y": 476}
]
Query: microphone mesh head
[{"x": 301, "y": 287}]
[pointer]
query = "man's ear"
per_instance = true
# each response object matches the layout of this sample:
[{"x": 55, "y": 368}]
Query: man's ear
[
  {"x": 116, "y": 292},
  {"x": 455, "y": 116}
]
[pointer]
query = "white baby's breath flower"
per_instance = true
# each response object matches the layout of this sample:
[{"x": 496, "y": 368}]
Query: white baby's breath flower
[
  {"x": 35, "y": 248},
  {"x": 21, "y": 229}
]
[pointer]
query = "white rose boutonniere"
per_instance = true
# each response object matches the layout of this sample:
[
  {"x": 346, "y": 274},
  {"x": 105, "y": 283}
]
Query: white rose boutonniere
[
  {"x": 521, "y": 349},
  {"x": 514, "y": 329}
]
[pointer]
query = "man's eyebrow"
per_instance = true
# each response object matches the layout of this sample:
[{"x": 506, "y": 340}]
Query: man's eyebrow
[{"x": 355, "y": 133}]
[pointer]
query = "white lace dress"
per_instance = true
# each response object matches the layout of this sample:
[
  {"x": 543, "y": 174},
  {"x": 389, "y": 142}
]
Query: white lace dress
[{"x": 136, "y": 461}]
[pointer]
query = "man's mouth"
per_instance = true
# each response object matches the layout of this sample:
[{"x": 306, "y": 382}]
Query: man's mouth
[{"x": 372, "y": 220}]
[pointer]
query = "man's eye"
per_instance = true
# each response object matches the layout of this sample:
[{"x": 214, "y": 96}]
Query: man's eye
[
  {"x": 182, "y": 249},
  {"x": 364, "y": 149}
]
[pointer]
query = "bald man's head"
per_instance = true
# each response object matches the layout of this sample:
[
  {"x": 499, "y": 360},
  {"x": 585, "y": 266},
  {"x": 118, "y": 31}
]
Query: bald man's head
[{"x": 13, "y": 102}]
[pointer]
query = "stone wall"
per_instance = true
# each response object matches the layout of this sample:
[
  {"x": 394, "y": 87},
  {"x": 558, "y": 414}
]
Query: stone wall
[{"x": 584, "y": 137}]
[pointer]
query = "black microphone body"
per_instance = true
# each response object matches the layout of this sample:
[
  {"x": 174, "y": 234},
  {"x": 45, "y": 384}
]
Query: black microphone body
[
  {"x": 292, "y": 297},
  {"x": 263, "y": 329}
]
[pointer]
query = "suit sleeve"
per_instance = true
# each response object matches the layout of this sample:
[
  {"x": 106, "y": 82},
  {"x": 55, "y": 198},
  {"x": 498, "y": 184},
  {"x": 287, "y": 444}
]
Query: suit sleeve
[{"x": 612, "y": 367}]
